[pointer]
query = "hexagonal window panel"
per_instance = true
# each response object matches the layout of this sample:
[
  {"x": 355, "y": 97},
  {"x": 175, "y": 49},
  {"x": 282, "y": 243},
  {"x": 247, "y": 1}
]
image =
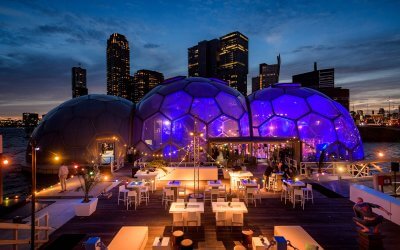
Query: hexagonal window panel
[
  {"x": 268, "y": 93},
  {"x": 92, "y": 108},
  {"x": 290, "y": 106},
  {"x": 182, "y": 127},
  {"x": 230, "y": 105},
  {"x": 201, "y": 89},
  {"x": 150, "y": 106},
  {"x": 78, "y": 132},
  {"x": 244, "y": 125},
  {"x": 223, "y": 127},
  {"x": 156, "y": 131},
  {"x": 317, "y": 128},
  {"x": 170, "y": 152},
  {"x": 205, "y": 108},
  {"x": 323, "y": 106},
  {"x": 261, "y": 111},
  {"x": 176, "y": 104},
  {"x": 347, "y": 133},
  {"x": 278, "y": 127}
]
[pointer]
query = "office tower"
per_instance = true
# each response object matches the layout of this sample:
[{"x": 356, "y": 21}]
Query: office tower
[
  {"x": 233, "y": 60},
  {"x": 323, "y": 80},
  {"x": 118, "y": 66},
  {"x": 268, "y": 75},
  {"x": 30, "y": 119},
  {"x": 79, "y": 82},
  {"x": 143, "y": 81},
  {"x": 203, "y": 59}
]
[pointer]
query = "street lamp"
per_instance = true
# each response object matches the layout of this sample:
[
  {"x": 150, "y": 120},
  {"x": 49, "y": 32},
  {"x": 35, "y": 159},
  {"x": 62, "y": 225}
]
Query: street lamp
[
  {"x": 4, "y": 162},
  {"x": 33, "y": 194}
]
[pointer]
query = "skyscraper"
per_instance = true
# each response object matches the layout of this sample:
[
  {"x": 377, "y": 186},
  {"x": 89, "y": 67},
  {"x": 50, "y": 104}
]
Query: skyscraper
[
  {"x": 203, "y": 59},
  {"x": 233, "y": 60},
  {"x": 79, "y": 82},
  {"x": 268, "y": 75},
  {"x": 144, "y": 80},
  {"x": 118, "y": 66},
  {"x": 323, "y": 80}
]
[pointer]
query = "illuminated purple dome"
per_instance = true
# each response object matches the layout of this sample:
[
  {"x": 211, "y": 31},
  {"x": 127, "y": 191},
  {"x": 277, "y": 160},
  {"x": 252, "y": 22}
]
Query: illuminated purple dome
[
  {"x": 290, "y": 111},
  {"x": 166, "y": 116}
]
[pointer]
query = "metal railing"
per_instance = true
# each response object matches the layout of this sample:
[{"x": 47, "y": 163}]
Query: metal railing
[
  {"x": 20, "y": 231},
  {"x": 354, "y": 169}
]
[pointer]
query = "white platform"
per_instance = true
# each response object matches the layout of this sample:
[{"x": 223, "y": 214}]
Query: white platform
[
  {"x": 130, "y": 238},
  {"x": 187, "y": 173},
  {"x": 297, "y": 236}
]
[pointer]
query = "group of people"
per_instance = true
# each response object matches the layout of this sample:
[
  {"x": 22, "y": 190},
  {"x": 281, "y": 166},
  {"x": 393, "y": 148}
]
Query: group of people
[{"x": 279, "y": 167}]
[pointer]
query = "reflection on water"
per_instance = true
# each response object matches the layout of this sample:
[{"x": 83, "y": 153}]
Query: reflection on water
[{"x": 389, "y": 150}]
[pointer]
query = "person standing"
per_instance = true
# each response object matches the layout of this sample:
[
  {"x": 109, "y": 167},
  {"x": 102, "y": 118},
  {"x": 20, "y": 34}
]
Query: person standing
[
  {"x": 267, "y": 174},
  {"x": 365, "y": 218},
  {"x": 62, "y": 175}
]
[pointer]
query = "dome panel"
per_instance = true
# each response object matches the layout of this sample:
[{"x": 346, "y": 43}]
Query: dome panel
[
  {"x": 323, "y": 106},
  {"x": 290, "y": 106},
  {"x": 230, "y": 105},
  {"x": 244, "y": 125},
  {"x": 205, "y": 108},
  {"x": 176, "y": 104},
  {"x": 261, "y": 111},
  {"x": 268, "y": 93},
  {"x": 201, "y": 89},
  {"x": 181, "y": 129},
  {"x": 316, "y": 128},
  {"x": 347, "y": 132},
  {"x": 156, "y": 131},
  {"x": 92, "y": 108},
  {"x": 223, "y": 126},
  {"x": 278, "y": 127},
  {"x": 150, "y": 106}
]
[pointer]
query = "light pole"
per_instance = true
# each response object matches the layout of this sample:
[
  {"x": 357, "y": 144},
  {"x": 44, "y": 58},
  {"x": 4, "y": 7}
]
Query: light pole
[
  {"x": 389, "y": 110},
  {"x": 33, "y": 200}
]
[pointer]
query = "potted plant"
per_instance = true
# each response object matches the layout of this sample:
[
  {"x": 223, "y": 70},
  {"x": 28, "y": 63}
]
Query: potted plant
[
  {"x": 156, "y": 164},
  {"x": 88, "y": 178}
]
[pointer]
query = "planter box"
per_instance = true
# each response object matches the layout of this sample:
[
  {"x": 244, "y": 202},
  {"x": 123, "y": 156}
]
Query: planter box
[{"x": 86, "y": 209}]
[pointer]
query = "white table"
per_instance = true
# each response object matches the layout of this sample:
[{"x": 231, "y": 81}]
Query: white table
[
  {"x": 237, "y": 176},
  {"x": 294, "y": 185},
  {"x": 150, "y": 176},
  {"x": 163, "y": 245},
  {"x": 258, "y": 244},
  {"x": 249, "y": 184},
  {"x": 174, "y": 185},
  {"x": 235, "y": 207},
  {"x": 124, "y": 240},
  {"x": 197, "y": 207},
  {"x": 136, "y": 185}
]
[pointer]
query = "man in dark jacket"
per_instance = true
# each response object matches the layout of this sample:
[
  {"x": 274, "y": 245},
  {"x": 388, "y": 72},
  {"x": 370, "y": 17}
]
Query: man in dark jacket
[{"x": 365, "y": 218}]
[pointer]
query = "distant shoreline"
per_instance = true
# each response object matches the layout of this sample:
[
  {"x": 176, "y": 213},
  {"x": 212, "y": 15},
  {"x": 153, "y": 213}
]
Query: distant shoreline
[{"x": 379, "y": 134}]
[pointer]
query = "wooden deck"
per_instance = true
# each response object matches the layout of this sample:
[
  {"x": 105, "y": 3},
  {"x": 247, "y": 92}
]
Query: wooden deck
[{"x": 328, "y": 221}]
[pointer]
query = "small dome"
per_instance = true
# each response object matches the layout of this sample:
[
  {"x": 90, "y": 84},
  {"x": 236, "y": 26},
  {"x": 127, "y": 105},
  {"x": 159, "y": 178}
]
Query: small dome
[
  {"x": 166, "y": 116},
  {"x": 290, "y": 111},
  {"x": 74, "y": 129}
]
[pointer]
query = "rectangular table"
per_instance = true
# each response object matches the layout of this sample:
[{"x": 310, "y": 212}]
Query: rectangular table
[
  {"x": 215, "y": 184},
  {"x": 234, "y": 207},
  {"x": 150, "y": 176},
  {"x": 294, "y": 185},
  {"x": 129, "y": 238},
  {"x": 163, "y": 245},
  {"x": 249, "y": 183},
  {"x": 258, "y": 244},
  {"x": 237, "y": 176},
  {"x": 197, "y": 207},
  {"x": 174, "y": 185}
]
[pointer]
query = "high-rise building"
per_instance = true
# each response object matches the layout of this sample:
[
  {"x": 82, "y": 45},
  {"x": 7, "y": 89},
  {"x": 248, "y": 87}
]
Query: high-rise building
[
  {"x": 323, "y": 80},
  {"x": 234, "y": 60},
  {"x": 79, "y": 82},
  {"x": 30, "y": 119},
  {"x": 203, "y": 59},
  {"x": 268, "y": 75},
  {"x": 118, "y": 66},
  {"x": 143, "y": 81}
]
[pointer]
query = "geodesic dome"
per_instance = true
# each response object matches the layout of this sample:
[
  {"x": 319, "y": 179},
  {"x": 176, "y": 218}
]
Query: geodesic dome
[
  {"x": 74, "y": 129},
  {"x": 166, "y": 115},
  {"x": 291, "y": 111}
]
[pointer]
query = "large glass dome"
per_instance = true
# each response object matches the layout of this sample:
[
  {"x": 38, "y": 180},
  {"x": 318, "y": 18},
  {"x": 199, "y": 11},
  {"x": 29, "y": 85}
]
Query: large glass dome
[
  {"x": 77, "y": 129},
  {"x": 290, "y": 111},
  {"x": 166, "y": 116}
]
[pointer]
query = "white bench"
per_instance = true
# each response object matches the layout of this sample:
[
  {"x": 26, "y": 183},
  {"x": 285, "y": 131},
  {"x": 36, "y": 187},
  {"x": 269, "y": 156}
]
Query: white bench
[
  {"x": 130, "y": 238},
  {"x": 297, "y": 236},
  {"x": 374, "y": 196}
]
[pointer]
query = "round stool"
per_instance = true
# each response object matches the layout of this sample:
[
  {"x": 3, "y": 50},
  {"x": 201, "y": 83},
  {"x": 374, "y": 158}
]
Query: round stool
[
  {"x": 247, "y": 237},
  {"x": 239, "y": 247},
  {"x": 187, "y": 244},
  {"x": 177, "y": 237}
]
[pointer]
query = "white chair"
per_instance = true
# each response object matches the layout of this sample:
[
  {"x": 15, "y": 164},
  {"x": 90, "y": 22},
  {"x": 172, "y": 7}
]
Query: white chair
[
  {"x": 192, "y": 218},
  {"x": 169, "y": 197},
  {"x": 298, "y": 196},
  {"x": 222, "y": 192},
  {"x": 257, "y": 196},
  {"x": 206, "y": 195},
  {"x": 237, "y": 220},
  {"x": 285, "y": 193},
  {"x": 163, "y": 194},
  {"x": 220, "y": 199},
  {"x": 131, "y": 198},
  {"x": 122, "y": 190},
  {"x": 272, "y": 184},
  {"x": 144, "y": 195},
  {"x": 250, "y": 195},
  {"x": 220, "y": 217},
  {"x": 235, "y": 200},
  {"x": 182, "y": 191},
  {"x": 308, "y": 193},
  {"x": 192, "y": 200},
  {"x": 214, "y": 192},
  {"x": 177, "y": 219},
  {"x": 180, "y": 200}
]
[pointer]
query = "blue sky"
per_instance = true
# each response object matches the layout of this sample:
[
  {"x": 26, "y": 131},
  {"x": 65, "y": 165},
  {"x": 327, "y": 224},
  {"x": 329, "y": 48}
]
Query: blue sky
[{"x": 41, "y": 40}]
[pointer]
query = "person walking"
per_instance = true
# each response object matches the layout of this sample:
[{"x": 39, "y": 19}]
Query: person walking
[
  {"x": 365, "y": 218},
  {"x": 62, "y": 175}
]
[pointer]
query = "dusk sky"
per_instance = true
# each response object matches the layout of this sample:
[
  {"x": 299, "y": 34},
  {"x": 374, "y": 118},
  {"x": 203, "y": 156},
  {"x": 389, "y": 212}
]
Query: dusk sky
[{"x": 41, "y": 40}]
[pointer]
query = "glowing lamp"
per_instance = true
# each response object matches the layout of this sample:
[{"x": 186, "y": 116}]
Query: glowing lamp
[
  {"x": 56, "y": 158},
  {"x": 5, "y": 162},
  {"x": 381, "y": 154}
]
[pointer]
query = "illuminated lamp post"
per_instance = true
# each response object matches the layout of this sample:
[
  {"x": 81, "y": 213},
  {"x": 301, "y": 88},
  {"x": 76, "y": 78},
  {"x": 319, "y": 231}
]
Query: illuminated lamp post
[
  {"x": 4, "y": 162},
  {"x": 33, "y": 192},
  {"x": 196, "y": 159}
]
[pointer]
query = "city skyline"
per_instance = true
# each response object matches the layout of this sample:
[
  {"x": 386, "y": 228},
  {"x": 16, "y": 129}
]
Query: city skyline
[{"x": 360, "y": 40}]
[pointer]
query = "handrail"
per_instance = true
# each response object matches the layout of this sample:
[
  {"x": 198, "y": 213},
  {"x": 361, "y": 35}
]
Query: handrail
[{"x": 41, "y": 232}]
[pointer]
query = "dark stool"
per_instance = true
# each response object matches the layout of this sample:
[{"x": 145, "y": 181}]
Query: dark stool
[
  {"x": 247, "y": 236},
  {"x": 177, "y": 237},
  {"x": 187, "y": 244},
  {"x": 369, "y": 241}
]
